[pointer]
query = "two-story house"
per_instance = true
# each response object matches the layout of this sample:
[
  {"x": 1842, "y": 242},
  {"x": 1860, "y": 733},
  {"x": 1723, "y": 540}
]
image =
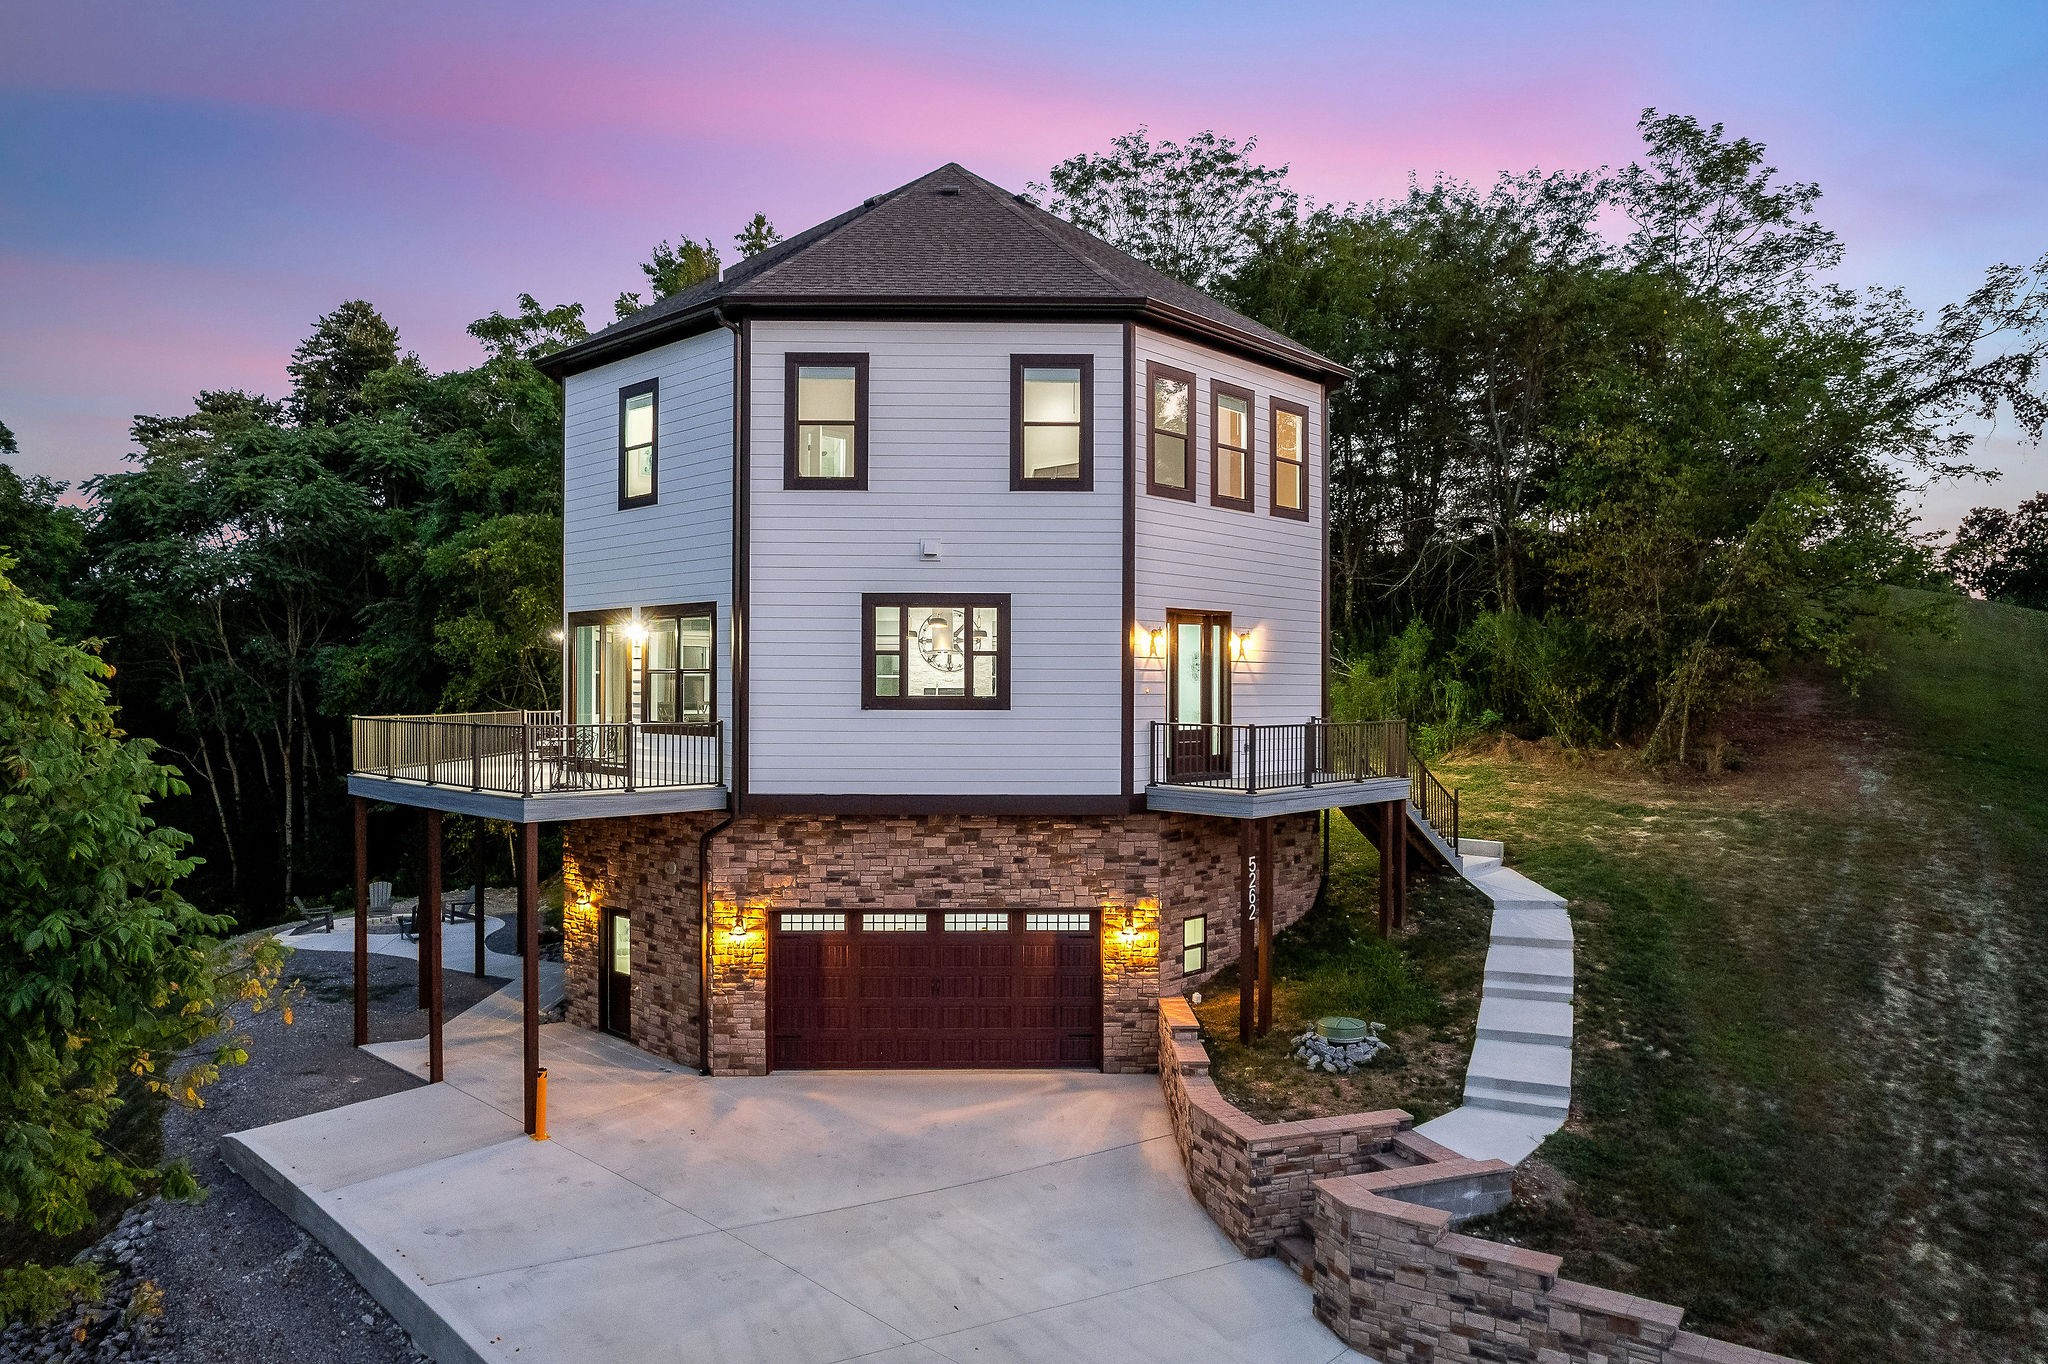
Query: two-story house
[{"x": 944, "y": 649}]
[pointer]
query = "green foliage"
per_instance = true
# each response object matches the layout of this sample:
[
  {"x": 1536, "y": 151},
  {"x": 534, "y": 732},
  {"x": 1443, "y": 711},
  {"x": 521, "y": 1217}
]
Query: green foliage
[
  {"x": 39, "y": 1295},
  {"x": 46, "y": 540},
  {"x": 1406, "y": 678},
  {"x": 331, "y": 367},
  {"x": 106, "y": 972},
  {"x": 1194, "y": 210},
  {"x": 535, "y": 332},
  {"x": 2003, "y": 554},
  {"x": 672, "y": 269},
  {"x": 757, "y": 236}
]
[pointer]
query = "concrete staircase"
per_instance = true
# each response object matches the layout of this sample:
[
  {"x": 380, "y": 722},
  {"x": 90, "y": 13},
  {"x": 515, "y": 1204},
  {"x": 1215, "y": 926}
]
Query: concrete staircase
[{"x": 1518, "y": 1086}]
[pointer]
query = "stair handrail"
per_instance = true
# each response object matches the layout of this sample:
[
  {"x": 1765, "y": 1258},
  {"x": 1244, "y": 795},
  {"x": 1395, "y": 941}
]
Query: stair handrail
[{"x": 1435, "y": 802}]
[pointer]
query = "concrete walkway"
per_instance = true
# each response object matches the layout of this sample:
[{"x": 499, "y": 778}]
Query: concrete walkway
[
  {"x": 1518, "y": 1087},
  {"x": 458, "y": 950},
  {"x": 798, "y": 1218}
]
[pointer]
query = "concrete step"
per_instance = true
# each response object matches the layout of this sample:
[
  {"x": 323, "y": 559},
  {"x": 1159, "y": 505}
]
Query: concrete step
[
  {"x": 1511, "y": 964},
  {"x": 1482, "y": 847},
  {"x": 1298, "y": 1253},
  {"x": 1491, "y": 1133},
  {"x": 1524, "y": 1067},
  {"x": 1538, "y": 1022},
  {"x": 1480, "y": 1094},
  {"x": 1509, "y": 989},
  {"x": 1544, "y": 927}
]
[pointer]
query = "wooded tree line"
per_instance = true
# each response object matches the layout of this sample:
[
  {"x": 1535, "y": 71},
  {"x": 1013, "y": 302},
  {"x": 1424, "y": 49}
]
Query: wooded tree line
[{"x": 1617, "y": 446}]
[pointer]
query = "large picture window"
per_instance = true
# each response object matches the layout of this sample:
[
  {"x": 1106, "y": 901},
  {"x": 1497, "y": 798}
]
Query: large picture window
[
  {"x": 1230, "y": 447},
  {"x": 825, "y": 421},
  {"x": 1290, "y": 461},
  {"x": 637, "y": 452},
  {"x": 676, "y": 683},
  {"x": 1170, "y": 439},
  {"x": 936, "y": 652},
  {"x": 1052, "y": 420}
]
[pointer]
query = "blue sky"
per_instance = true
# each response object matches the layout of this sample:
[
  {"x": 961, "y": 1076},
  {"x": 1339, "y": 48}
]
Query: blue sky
[{"x": 185, "y": 187}]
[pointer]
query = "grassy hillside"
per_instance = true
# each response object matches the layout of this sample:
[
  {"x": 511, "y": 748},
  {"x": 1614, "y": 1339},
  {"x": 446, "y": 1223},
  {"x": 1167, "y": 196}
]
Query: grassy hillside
[{"x": 1812, "y": 1072}]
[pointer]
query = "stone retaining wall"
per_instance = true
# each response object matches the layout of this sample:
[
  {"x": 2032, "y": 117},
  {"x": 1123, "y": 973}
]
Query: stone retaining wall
[{"x": 1390, "y": 1276}]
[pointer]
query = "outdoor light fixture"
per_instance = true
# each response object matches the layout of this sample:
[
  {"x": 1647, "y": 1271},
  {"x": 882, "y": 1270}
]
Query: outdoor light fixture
[
  {"x": 1240, "y": 645},
  {"x": 637, "y": 632},
  {"x": 555, "y": 635},
  {"x": 1155, "y": 643}
]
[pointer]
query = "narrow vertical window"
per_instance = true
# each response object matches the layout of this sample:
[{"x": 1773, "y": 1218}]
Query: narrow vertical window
[
  {"x": 937, "y": 652},
  {"x": 825, "y": 421},
  {"x": 1230, "y": 447},
  {"x": 1290, "y": 461},
  {"x": 637, "y": 453},
  {"x": 1170, "y": 441},
  {"x": 1052, "y": 419},
  {"x": 600, "y": 668},
  {"x": 1194, "y": 944}
]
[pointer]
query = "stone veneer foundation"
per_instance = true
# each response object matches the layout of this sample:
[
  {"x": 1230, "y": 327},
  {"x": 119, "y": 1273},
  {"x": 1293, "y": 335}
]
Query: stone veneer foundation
[{"x": 1146, "y": 872}]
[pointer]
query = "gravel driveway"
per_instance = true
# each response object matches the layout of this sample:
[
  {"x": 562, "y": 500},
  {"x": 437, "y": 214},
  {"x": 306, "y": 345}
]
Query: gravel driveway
[{"x": 240, "y": 1280}]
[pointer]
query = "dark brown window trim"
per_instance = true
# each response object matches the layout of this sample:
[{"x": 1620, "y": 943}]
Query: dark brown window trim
[
  {"x": 1176, "y": 617},
  {"x": 653, "y": 493},
  {"x": 791, "y": 362},
  {"x": 573, "y": 621},
  {"x": 968, "y": 600},
  {"x": 705, "y": 609},
  {"x": 1273, "y": 410},
  {"x": 1154, "y": 371},
  {"x": 1086, "y": 481},
  {"x": 1218, "y": 390}
]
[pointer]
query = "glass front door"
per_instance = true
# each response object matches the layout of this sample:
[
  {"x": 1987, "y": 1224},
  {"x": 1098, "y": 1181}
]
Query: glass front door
[
  {"x": 1198, "y": 692},
  {"x": 600, "y": 673}
]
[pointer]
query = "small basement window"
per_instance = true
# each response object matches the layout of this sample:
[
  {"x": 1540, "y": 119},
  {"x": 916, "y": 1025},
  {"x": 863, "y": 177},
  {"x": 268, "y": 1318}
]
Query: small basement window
[{"x": 1194, "y": 944}]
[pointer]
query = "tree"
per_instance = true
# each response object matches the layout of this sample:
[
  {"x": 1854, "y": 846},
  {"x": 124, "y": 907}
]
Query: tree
[
  {"x": 107, "y": 975},
  {"x": 331, "y": 366},
  {"x": 671, "y": 270},
  {"x": 535, "y": 332},
  {"x": 757, "y": 236},
  {"x": 1195, "y": 210},
  {"x": 2004, "y": 554},
  {"x": 47, "y": 541}
]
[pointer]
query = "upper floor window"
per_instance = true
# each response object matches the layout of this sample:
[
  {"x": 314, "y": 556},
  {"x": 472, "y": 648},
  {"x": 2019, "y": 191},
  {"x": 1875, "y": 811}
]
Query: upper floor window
[
  {"x": 1052, "y": 419},
  {"x": 1290, "y": 460},
  {"x": 1230, "y": 447},
  {"x": 676, "y": 667},
  {"x": 1169, "y": 441},
  {"x": 637, "y": 445},
  {"x": 936, "y": 652},
  {"x": 825, "y": 421}
]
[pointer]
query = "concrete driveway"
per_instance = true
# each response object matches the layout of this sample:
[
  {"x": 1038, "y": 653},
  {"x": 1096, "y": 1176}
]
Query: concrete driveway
[{"x": 800, "y": 1218}]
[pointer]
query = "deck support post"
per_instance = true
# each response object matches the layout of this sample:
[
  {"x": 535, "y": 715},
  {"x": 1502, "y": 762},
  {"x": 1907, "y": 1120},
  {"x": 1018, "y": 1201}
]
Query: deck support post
[
  {"x": 1390, "y": 832},
  {"x": 428, "y": 921},
  {"x": 360, "y": 817},
  {"x": 476, "y": 857},
  {"x": 1264, "y": 846},
  {"x": 529, "y": 972},
  {"x": 1400, "y": 814}
]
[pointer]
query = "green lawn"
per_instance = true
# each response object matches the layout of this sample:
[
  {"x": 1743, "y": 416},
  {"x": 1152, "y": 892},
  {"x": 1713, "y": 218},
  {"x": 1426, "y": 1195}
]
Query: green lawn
[{"x": 1812, "y": 1062}]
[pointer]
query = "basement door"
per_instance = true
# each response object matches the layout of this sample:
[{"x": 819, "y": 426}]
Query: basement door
[{"x": 915, "y": 989}]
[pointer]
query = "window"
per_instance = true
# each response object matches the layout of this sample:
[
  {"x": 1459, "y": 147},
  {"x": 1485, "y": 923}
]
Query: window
[
  {"x": 810, "y": 923},
  {"x": 1170, "y": 441},
  {"x": 1230, "y": 447},
  {"x": 676, "y": 666},
  {"x": 637, "y": 445},
  {"x": 1290, "y": 461},
  {"x": 825, "y": 421},
  {"x": 1052, "y": 421},
  {"x": 936, "y": 652},
  {"x": 1058, "y": 923},
  {"x": 600, "y": 668},
  {"x": 977, "y": 923},
  {"x": 1194, "y": 944},
  {"x": 893, "y": 923}
]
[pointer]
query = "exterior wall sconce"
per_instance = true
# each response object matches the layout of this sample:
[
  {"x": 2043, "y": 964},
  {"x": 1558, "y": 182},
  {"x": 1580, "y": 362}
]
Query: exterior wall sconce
[
  {"x": 637, "y": 633},
  {"x": 556, "y": 636},
  {"x": 1240, "y": 646},
  {"x": 1150, "y": 644}
]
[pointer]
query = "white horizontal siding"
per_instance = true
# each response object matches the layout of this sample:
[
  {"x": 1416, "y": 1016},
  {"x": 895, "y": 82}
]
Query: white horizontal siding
[
  {"x": 938, "y": 468},
  {"x": 1265, "y": 570},
  {"x": 680, "y": 548}
]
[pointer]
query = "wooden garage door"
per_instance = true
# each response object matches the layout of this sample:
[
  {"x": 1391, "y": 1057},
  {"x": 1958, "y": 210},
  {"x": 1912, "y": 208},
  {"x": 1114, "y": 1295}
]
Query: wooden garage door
[{"x": 873, "y": 990}]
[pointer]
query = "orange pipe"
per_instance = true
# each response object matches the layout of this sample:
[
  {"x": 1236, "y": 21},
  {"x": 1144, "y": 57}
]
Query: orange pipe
[{"x": 540, "y": 1105}]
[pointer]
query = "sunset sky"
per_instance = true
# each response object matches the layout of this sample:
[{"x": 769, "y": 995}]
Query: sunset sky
[{"x": 185, "y": 187}]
